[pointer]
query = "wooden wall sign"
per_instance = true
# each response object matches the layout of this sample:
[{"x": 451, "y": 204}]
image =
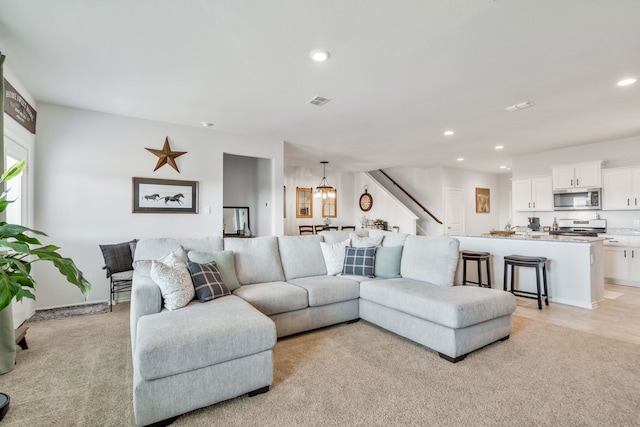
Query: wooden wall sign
[{"x": 18, "y": 108}]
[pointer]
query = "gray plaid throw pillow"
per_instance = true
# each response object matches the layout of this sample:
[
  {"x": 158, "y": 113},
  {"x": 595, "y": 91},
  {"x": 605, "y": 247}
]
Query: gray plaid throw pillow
[
  {"x": 207, "y": 281},
  {"x": 117, "y": 257},
  {"x": 359, "y": 261}
]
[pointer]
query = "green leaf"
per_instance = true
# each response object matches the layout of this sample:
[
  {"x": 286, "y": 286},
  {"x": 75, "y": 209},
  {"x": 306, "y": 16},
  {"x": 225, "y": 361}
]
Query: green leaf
[{"x": 13, "y": 171}]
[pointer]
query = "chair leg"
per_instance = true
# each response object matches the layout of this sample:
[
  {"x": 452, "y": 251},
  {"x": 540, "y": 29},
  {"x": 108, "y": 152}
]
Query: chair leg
[
  {"x": 111, "y": 296},
  {"x": 513, "y": 277},
  {"x": 506, "y": 269},
  {"x": 464, "y": 272},
  {"x": 479, "y": 273},
  {"x": 538, "y": 287},
  {"x": 489, "y": 273},
  {"x": 544, "y": 281}
]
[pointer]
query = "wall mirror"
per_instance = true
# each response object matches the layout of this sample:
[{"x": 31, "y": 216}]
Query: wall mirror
[
  {"x": 304, "y": 203},
  {"x": 236, "y": 220},
  {"x": 330, "y": 204}
]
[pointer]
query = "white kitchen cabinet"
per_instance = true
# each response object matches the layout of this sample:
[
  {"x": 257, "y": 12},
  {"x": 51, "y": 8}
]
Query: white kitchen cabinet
[
  {"x": 532, "y": 194},
  {"x": 621, "y": 189},
  {"x": 579, "y": 175},
  {"x": 622, "y": 260}
]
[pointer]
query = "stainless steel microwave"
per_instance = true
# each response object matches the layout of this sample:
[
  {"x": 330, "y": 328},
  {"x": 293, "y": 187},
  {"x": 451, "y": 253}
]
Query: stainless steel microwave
[{"x": 577, "y": 200}]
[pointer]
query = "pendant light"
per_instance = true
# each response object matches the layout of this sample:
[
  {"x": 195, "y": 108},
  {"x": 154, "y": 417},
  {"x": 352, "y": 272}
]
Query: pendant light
[{"x": 324, "y": 190}]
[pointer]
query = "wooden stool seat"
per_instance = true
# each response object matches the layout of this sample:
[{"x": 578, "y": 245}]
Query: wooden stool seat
[
  {"x": 477, "y": 257},
  {"x": 527, "y": 261}
]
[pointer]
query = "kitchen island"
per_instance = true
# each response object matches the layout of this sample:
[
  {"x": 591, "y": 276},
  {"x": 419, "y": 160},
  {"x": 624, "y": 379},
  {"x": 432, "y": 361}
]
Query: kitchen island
[{"x": 575, "y": 265}]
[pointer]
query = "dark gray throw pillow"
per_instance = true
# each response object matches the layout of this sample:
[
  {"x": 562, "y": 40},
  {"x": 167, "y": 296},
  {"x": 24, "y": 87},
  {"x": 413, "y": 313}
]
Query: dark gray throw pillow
[
  {"x": 359, "y": 261},
  {"x": 117, "y": 257},
  {"x": 207, "y": 281}
]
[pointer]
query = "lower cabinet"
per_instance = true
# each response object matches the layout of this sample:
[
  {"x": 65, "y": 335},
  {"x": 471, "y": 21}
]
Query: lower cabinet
[{"x": 622, "y": 260}]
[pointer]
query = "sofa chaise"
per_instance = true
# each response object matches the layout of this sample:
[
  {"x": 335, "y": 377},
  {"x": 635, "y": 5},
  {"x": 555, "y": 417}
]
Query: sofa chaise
[{"x": 204, "y": 353}]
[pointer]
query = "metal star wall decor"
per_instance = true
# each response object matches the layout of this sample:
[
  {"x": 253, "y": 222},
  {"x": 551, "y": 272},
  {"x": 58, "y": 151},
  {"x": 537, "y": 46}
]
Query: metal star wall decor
[{"x": 166, "y": 156}]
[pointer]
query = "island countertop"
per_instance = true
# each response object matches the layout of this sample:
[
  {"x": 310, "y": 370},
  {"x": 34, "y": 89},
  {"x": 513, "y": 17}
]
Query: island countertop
[
  {"x": 539, "y": 238},
  {"x": 575, "y": 264}
]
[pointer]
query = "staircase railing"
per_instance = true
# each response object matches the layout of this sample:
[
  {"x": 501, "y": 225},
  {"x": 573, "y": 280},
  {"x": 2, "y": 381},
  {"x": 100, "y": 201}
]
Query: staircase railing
[{"x": 411, "y": 197}]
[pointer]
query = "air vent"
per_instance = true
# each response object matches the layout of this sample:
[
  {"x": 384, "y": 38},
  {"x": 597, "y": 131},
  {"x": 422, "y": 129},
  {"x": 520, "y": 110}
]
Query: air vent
[
  {"x": 520, "y": 106},
  {"x": 318, "y": 100}
]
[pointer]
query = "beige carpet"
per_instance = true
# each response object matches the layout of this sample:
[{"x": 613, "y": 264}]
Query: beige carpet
[{"x": 78, "y": 373}]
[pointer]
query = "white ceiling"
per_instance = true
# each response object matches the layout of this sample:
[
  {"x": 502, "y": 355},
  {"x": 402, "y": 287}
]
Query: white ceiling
[{"x": 400, "y": 72}]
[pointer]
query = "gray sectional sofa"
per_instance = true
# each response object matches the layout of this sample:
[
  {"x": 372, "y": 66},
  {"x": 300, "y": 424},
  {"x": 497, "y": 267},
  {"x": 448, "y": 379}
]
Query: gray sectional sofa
[{"x": 208, "y": 352}]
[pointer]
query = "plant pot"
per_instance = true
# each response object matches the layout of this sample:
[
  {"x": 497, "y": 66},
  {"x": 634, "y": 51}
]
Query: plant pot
[{"x": 4, "y": 405}]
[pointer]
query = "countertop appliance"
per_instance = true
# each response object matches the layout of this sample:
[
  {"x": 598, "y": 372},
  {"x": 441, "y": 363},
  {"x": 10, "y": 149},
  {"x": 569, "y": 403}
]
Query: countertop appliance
[
  {"x": 534, "y": 223},
  {"x": 577, "y": 199},
  {"x": 580, "y": 227}
]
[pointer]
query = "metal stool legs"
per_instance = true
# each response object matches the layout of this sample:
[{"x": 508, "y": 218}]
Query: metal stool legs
[
  {"x": 514, "y": 261},
  {"x": 478, "y": 257}
]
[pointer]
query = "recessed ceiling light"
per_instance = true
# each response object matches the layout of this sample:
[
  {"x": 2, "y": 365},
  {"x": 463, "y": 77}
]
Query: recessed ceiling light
[
  {"x": 319, "y": 55},
  {"x": 207, "y": 124},
  {"x": 448, "y": 132},
  {"x": 627, "y": 82},
  {"x": 503, "y": 167},
  {"x": 460, "y": 159},
  {"x": 499, "y": 147}
]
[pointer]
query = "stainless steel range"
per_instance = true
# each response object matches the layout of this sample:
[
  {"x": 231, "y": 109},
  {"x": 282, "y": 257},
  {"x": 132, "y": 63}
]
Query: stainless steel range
[{"x": 581, "y": 227}]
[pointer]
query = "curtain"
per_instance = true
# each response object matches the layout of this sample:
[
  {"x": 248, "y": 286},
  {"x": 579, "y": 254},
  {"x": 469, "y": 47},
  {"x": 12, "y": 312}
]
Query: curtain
[{"x": 7, "y": 339}]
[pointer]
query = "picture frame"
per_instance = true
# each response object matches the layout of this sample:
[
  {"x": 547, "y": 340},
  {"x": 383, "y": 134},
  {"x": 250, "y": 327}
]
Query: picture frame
[
  {"x": 483, "y": 200},
  {"x": 151, "y": 195}
]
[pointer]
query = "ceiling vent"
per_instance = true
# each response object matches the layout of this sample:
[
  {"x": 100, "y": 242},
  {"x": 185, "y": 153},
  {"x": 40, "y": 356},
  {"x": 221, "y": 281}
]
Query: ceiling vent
[
  {"x": 520, "y": 106},
  {"x": 318, "y": 100}
]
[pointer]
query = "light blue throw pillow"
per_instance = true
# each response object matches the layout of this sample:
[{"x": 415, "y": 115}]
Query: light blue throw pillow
[
  {"x": 388, "y": 261},
  {"x": 224, "y": 261}
]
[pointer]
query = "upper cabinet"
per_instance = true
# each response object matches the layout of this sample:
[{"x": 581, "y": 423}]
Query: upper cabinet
[
  {"x": 532, "y": 194},
  {"x": 621, "y": 189},
  {"x": 579, "y": 175}
]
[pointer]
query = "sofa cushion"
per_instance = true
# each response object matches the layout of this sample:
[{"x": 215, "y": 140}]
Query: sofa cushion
[
  {"x": 301, "y": 256},
  {"x": 200, "y": 335},
  {"x": 334, "y": 236},
  {"x": 257, "y": 259},
  {"x": 365, "y": 242},
  {"x": 225, "y": 261},
  {"x": 454, "y": 306},
  {"x": 387, "y": 264},
  {"x": 430, "y": 259},
  {"x": 174, "y": 280},
  {"x": 325, "y": 290},
  {"x": 154, "y": 248},
  {"x": 359, "y": 261},
  {"x": 390, "y": 238},
  {"x": 333, "y": 255},
  {"x": 274, "y": 297},
  {"x": 207, "y": 281}
]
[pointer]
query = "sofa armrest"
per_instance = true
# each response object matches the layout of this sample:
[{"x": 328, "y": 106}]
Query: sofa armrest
[{"x": 146, "y": 299}]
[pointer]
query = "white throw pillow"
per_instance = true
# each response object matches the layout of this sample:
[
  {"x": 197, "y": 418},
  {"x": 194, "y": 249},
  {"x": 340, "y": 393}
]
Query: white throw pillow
[
  {"x": 364, "y": 242},
  {"x": 176, "y": 255},
  {"x": 333, "y": 254},
  {"x": 174, "y": 281}
]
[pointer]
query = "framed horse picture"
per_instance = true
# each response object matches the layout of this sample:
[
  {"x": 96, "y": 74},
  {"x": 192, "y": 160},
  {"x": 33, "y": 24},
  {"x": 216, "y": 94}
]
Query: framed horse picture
[{"x": 152, "y": 195}]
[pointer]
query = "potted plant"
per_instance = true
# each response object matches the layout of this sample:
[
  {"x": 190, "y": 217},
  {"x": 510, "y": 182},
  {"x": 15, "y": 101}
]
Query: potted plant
[{"x": 18, "y": 250}]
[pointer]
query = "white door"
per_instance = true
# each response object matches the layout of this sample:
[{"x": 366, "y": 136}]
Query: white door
[
  {"x": 454, "y": 205},
  {"x": 16, "y": 212}
]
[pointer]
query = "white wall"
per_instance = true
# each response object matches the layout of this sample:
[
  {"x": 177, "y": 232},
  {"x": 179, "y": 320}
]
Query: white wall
[
  {"x": 84, "y": 164},
  {"x": 21, "y": 136},
  {"x": 616, "y": 153},
  {"x": 385, "y": 206},
  {"x": 310, "y": 178},
  {"x": 429, "y": 186}
]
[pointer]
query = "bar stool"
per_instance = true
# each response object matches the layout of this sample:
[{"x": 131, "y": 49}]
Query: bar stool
[
  {"x": 528, "y": 261},
  {"x": 478, "y": 257}
]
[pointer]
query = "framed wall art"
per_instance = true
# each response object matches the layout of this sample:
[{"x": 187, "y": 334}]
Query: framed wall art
[
  {"x": 483, "y": 200},
  {"x": 164, "y": 196}
]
